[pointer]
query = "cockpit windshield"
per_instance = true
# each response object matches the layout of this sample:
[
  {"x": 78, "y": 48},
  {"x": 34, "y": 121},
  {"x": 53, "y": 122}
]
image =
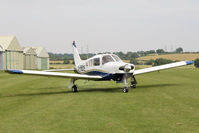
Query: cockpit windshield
[
  {"x": 106, "y": 59},
  {"x": 116, "y": 58}
]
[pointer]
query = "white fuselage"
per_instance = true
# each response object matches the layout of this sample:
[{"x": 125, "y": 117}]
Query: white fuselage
[{"x": 106, "y": 63}]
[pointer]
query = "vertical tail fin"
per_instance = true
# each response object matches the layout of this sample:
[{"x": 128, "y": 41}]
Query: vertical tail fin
[{"x": 76, "y": 56}]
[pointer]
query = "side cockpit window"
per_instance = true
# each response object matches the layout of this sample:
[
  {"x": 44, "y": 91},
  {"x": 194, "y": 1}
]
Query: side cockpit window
[
  {"x": 106, "y": 59},
  {"x": 96, "y": 61},
  {"x": 90, "y": 63}
]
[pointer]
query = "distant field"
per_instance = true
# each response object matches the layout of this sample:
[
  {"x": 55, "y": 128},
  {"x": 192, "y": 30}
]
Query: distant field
[
  {"x": 171, "y": 57},
  {"x": 61, "y": 66},
  {"x": 56, "y": 61},
  {"x": 164, "y": 102},
  {"x": 127, "y": 61}
]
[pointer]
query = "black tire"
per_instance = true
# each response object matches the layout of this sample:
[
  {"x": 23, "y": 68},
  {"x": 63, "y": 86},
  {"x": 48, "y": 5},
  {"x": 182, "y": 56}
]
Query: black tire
[
  {"x": 125, "y": 90},
  {"x": 74, "y": 88},
  {"x": 133, "y": 85}
]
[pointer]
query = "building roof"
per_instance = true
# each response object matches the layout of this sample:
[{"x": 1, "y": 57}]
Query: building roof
[
  {"x": 41, "y": 52},
  {"x": 9, "y": 43},
  {"x": 29, "y": 50}
]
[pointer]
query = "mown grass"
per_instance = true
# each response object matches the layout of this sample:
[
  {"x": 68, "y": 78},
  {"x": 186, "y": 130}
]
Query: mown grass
[{"x": 163, "y": 102}]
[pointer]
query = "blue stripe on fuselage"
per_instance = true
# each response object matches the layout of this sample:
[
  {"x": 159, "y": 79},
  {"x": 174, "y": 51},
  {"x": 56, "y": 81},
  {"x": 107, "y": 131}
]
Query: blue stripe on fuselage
[{"x": 105, "y": 76}]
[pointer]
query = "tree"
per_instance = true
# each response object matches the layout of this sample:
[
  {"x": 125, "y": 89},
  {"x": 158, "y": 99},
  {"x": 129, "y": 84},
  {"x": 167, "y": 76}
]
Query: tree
[
  {"x": 160, "y": 51},
  {"x": 134, "y": 61},
  {"x": 66, "y": 61},
  {"x": 141, "y": 53},
  {"x": 196, "y": 63},
  {"x": 150, "y": 52},
  {"x": 121, "y": 55},
  {"x": 179, "y": 50},
  {"x": 150, "y": 62},
  {"x": 161, "y": 61},
  {"x": 130, "y": 55}
]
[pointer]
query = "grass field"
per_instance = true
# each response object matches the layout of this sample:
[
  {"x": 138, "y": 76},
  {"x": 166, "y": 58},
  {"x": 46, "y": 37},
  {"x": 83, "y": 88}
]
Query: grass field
[
  {"x": 163, "y": 102},
  {"x": 171, "y": 57}
]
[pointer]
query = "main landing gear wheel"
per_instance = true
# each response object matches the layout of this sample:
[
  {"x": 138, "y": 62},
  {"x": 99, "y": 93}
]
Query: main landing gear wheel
[
  {"x": 133, "y": 85},
  {"x": 125, "y": 90},
  {"x": 74, "y": 88}
]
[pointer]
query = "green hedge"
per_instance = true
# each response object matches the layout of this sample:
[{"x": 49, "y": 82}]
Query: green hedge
[
  {"x": 161, "y": 61},
  {"x": 196, "y": 63}
]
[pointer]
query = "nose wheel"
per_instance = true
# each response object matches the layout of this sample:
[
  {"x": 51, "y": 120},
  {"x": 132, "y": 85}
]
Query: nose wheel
[
  {"x": 74, "y": 88},
  {"x": 125, "y": 90}
]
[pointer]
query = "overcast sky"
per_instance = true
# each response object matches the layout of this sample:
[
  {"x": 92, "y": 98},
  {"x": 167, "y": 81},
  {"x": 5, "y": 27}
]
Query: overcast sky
[{"x": 103, "y": 25}]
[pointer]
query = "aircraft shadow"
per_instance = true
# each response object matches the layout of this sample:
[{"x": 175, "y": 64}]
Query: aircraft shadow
[
  {"x": 111, "y": 90},
  {"x": 35, "y": 94},
  {"x": 64, "y": 92},
  {"x": 155, "y": 86},
  {"x": 115, "y": 90}
]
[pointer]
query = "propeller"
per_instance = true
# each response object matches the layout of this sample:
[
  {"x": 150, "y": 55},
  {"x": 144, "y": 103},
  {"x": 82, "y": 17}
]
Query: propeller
[{"x": 126, "y": 67}]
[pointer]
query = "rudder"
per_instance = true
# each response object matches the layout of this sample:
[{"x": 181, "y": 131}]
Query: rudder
[{"x": 76, "y": 56}]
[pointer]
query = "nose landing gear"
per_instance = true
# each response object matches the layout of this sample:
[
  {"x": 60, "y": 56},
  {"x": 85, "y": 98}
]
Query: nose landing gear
[
  {"x": 125, "y": 78},
  {"x": 133, "y": 83}
]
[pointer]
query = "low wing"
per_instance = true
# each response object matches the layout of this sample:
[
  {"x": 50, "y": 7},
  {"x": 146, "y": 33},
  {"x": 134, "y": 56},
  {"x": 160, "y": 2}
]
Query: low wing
[
  {"x": 58, "y": 70},
  {"x": 56, "y": 74},
  {"x": 162, "y": 67}
]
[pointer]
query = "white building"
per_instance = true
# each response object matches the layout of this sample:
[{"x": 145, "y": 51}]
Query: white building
[
  {"x": 42, "y": 58},
  {"x": 30, "y": 58},
  {"x": 11, "y": 55}
]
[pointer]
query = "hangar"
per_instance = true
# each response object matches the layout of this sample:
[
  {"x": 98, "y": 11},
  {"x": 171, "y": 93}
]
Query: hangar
[
  {"x": 11, "y": 54},
  {"x": 1, "y": 58},
  {"x": 42, "y": 58},
  {"x": 30, "y": 58}
]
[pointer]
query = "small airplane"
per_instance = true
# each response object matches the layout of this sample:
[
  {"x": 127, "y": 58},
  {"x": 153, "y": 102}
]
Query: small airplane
[{"x": 102, "y": 67}]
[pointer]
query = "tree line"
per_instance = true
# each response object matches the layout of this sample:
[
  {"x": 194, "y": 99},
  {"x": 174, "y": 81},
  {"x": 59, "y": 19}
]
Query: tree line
[
  {"x": 122, "y": 55},
  {"x": 131, "y": 56}
]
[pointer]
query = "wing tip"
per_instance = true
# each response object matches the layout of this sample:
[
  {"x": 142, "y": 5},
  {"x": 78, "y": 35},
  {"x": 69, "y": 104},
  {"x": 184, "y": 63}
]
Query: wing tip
[
  {"x": 15, "y": 71},
  {"x": 189, "y": 62}
]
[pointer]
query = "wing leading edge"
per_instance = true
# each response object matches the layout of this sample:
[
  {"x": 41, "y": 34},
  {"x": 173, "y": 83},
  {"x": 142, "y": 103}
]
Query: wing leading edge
[
  {"x": 56, "y": 74},
  {"x": 162, "y": 67}
]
